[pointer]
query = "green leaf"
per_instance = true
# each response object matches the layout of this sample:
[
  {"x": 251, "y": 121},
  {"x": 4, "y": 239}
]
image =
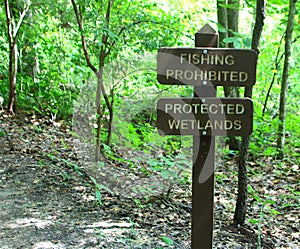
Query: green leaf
[
  {"x": 221, "y": 28},
  {"x": 101, "y": 186},
  {"x": 250, "y": 189},
  {"x": 231, "y": 39},
  {"x": 237, "y": 44},
  {"x": 253, "y": 221},
  {"x": 269, "y": 202},
  {"x": 167, "y": 240},
  {"x": 110, "y": 34},
  {"x": 274, "y": 211},
  {"x": 168, "y": 173},
  {"x": 93, "y": 180},
  {"x": 98, "y": 196},
  {"x": 165, "y": 174}
]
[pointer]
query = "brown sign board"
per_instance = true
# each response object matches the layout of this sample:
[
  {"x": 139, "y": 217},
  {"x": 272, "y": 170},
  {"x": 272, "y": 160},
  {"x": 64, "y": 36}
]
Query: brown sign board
[
  {"x": 206, "y": 66},
  {"x": 205, "y": 116}
]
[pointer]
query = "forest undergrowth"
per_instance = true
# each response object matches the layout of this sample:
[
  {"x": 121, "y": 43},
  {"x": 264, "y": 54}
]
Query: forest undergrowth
[{"x": 49, "y": 200}]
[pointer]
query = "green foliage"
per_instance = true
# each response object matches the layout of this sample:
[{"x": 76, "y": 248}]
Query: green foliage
[
  {"x": 2, "y": 133},
  {"x": 98, "y": 188},
  {"x": 167, "y": 240},
  {"x": 269, "y": 74},
  {"x": 53, "y": 71},
  {"x": 175, "y": 170},
  {"x": 239, "y": 41}
]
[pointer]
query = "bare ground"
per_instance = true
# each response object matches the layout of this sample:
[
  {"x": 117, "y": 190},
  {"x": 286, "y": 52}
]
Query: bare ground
[{"x": 49, "y": 202}]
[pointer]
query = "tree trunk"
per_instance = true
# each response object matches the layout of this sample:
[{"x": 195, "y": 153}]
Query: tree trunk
[
  {"x": 229, "y": 19},
  {"x": 285, "y": 76},
  {"x": 99, "y": 115},
  {"x": 12, "y": 35},
  {"x": 111, "y": 117},
  {"x": 233, "y": 27},
  {"x": 222, "y": 20},
  {"x": 99, "y": 73},
  {"x": 12, "y": 72},
  {"x": 241, "y": 203},
  {"x": 13, "y": 59},
  {"x": 233, "y": 17},
  {"x": 104, "y": 52}
]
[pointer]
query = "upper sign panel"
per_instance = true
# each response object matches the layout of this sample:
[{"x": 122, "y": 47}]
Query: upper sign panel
[{"x": 206, "y": 66}]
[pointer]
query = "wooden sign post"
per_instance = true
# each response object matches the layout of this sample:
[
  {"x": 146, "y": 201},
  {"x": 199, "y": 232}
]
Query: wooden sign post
[
  {"x": 205, "y": 116},
  {"x": 204, "y": 148}
]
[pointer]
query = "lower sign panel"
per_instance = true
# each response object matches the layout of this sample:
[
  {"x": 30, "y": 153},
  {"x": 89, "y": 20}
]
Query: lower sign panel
[{"x": 205, "y": 116}]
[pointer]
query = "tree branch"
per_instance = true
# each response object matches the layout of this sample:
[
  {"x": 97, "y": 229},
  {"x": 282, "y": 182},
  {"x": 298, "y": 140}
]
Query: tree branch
[
  {"x": 10, "y": 25},
  {"x": 103, "y": 52},
  {"x": 259, "y": 24},
  {"x": 277, "y": 63},
  {"x": 83, "y": 40},
  {"x": 21, "y": 20}
]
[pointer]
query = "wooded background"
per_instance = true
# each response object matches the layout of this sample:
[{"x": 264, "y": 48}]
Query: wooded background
[{"x": 92, "y": 64}]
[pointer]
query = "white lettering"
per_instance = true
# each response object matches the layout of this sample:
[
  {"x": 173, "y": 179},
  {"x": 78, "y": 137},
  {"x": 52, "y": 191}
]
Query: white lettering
[
  {"x": 234, "y": 76},
  {"x": 228, "y": 125},
  {"x": 211, "y": 109},
  {"x": 187, "y": 108},
  {"x": 208, "y": 125},
  {"x": 230, "y": 109},
  {"x": 204, "y": 109},
  {"x": 184, "y": 124},
  {"x": 168, "y": 107},
  {"x": 243, "y": 77},
  {"x": 177, "y": 108},
  {"x": 169, "y": 73},
  {"x": 229, "y": 60},
  {"x": 192, "y": 124},
  {"x": 207, "y": 59},
  {"x": 182, "y": 58},
  {"x": 174, "y": 123},
  {"x": 240, "y": 109},
  {"x": 237, "y": 125},
  {"x": 178, "y": 74}
]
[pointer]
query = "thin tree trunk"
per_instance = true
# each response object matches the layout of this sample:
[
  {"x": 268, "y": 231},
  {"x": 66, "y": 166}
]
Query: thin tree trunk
[
  {"x": 285, "y": 76},
  {"x": 98, "y": 72},
  {"x": 241, "y": 203},
  {"x": 99, "y": 113},
  {"x": 222, "y": 20},
  {"x": 12, "y": 35},
  {"x": 13, "y": 67},
  {"x": 111, "y": 119},
  {"x": 233, "y": 27},
  {"x": 12, "y": 58},
  {"x": 276, "y": 62},
  {"x": 231, "y": 91},
  {"x": 103, "y": 54}
]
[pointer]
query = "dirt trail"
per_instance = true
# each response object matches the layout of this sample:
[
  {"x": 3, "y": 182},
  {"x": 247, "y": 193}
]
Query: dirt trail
[{"x": 46, "y": 202}]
